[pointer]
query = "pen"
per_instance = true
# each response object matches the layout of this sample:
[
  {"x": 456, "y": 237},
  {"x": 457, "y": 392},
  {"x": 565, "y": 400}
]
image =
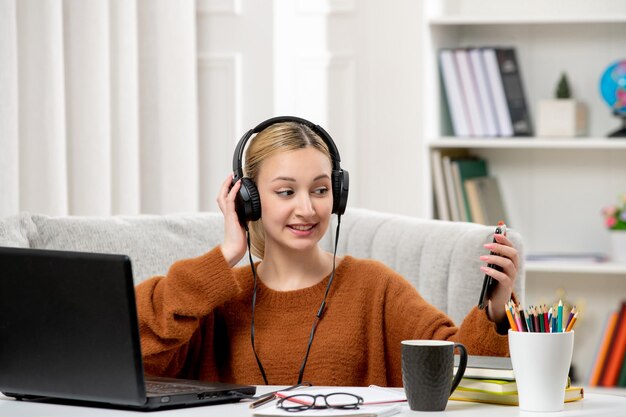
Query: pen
[{"x": 264, "y": 399}]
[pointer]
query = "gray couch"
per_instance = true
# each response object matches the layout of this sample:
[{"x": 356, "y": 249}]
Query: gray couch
[{"x": 441, "y": 259}]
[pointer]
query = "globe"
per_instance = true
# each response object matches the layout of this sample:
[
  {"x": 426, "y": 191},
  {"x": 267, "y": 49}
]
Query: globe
[{"x": 613, "y": 90}]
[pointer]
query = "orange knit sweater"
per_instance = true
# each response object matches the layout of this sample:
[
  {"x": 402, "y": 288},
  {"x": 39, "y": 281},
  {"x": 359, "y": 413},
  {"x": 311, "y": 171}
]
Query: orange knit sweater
[{"x": 195, "y": 323}]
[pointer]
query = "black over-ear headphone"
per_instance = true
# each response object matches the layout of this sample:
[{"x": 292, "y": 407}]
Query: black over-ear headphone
[{"x": 248, "y": 201}]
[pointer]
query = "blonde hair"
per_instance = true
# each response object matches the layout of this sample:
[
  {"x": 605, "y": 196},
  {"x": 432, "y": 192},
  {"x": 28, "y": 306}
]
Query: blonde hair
[{"x": 280, "y": 137}]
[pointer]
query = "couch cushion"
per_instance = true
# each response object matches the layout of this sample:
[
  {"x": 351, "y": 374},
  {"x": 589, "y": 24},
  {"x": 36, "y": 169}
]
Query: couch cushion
[
  {"x": 13, "y": 231},
  {"x": 153, "y": 242}
]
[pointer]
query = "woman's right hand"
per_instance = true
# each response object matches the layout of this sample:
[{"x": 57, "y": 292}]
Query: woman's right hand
[{"x": 235, "y": 243}]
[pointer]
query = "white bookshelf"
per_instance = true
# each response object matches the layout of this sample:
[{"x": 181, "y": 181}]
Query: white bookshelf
[
  {"x": 587, "y": 268},
  {"x": 588, "y": 143},
  {"x": 553, "y": 189}
]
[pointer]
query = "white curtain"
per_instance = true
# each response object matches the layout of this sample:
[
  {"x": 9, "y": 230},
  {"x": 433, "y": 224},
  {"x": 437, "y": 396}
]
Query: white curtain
[{"x": 98, "y": 107}]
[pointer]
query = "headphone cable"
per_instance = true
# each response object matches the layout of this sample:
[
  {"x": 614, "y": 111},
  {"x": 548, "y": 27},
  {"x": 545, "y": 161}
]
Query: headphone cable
[{"x": 318, "y": 316}]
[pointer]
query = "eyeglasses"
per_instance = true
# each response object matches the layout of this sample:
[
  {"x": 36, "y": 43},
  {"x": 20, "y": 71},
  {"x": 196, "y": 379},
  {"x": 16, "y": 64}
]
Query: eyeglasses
[{"x": 336, "y": 400}]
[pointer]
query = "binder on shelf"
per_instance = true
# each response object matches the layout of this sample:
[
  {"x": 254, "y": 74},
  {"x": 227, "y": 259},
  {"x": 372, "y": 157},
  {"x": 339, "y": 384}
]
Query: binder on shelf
[
  {"x": 469, "y": 86},
  {"x": 454, "y": 93},
  {"x": 496, "y": 87},
  {"x": 484, "y": 93},
  {"x": 514, "y": 91}
]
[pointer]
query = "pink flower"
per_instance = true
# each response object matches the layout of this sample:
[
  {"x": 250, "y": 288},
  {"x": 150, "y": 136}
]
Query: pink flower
[
  {"x": 609, "y": 211},
  {"x": 610, "y": 221}
]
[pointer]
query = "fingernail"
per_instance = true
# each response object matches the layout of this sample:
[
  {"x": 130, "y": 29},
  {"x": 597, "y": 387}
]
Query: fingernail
[
  {"x": 484, "y": 269},
  {"x": 484, "y": 257},
  {"x": 489, "y": 245}
]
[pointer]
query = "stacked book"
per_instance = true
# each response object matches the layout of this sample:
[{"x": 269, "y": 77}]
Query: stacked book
[
  {"x": 464, "y": 190},
  {"x": 609, "y": 368},
  {"x": 484, "y": 92},
  {"x": 490, "y": 379}
]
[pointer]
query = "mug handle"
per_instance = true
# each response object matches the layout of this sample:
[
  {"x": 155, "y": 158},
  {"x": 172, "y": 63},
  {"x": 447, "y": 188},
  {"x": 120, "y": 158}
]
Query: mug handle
[{"x": 462, "y": 365}]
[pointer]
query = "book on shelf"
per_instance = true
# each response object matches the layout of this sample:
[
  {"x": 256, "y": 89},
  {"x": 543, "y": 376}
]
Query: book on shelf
[
  {"x": 621, "y": 382},
  {"x": 487, "y": 367},
  {"x": 485, "y": 200},
  {"x": 511, "y": 77},
  {"x": 496, "y": 87},
  {"x": 603, "y": 348},
  {"x": 508, "y": 398},
  {"x": 464, "y": 169},
  {"x": 453, "y": 200},
  {"x": 447, "y": 207},
  {"x": 439, "y": 186},
  {"x": 609, "y": 364},
  {"x": 616, "y": 352},
  {"x": 453, "y": 93},
  {"x": 484, "y": 93},
  {"x": 469, "y": 89}
]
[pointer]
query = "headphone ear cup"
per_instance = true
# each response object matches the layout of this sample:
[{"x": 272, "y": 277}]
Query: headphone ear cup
[
  {"x": 340, "y": 191},
  {"x": 248, "y": 202}
]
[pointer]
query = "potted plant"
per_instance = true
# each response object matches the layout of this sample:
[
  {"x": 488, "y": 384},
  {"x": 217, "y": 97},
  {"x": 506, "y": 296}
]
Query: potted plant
[
  {"x": 562, "y": 116},
  {"x": 615, "y": 221}
]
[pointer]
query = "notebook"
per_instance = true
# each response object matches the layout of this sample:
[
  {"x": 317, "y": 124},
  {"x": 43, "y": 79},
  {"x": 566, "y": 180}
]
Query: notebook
[{"x": 69, "y": 331}]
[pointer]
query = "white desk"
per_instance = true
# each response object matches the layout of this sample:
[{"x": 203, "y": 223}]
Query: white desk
[{"x": 592, "y": 405}]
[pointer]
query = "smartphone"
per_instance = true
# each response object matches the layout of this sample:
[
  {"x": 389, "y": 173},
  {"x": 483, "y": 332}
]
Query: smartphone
[{"x": 488, "y": 282}]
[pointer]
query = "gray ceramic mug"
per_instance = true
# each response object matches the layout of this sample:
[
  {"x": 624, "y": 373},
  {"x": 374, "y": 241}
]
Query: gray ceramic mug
[{"x": 427, "y": 372}]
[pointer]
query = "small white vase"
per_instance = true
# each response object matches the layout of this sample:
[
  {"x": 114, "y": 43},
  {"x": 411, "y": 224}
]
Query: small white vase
[{"x": 618, "y": 246}]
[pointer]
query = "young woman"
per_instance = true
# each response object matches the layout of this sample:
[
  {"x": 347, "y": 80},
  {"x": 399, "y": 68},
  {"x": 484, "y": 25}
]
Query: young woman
[{"x": 208, "y": 319}]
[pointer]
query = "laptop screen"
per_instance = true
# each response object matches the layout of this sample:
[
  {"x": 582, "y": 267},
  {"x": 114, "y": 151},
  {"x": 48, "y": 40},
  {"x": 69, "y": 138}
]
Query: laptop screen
[{"x": 69, "y": 326}]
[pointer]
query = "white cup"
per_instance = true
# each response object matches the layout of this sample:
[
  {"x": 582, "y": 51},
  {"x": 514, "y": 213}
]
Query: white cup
[{"x": 541, "y": 363}]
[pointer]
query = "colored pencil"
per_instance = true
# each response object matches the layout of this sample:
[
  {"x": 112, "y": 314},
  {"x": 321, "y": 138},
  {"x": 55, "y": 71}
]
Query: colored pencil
[
  {"x": 572, "y": 322},
  {"x": 571, "y": 315},
  {"x": 507, "y": 309},
  {"x": 546, "y": 322},
  {"x": 536, "y": 320},
  {"x": 559, "y": 320}
]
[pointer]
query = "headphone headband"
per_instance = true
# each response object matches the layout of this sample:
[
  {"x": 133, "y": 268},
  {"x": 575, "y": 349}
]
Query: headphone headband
[
  {"x": 238, "y": 154},
  {"x": 248, "y": 201}
]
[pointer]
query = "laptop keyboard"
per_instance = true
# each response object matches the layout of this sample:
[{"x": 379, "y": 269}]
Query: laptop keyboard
[{"x": 156, "y": 387}]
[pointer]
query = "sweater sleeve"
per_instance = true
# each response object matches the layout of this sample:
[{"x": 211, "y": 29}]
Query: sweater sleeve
[
  {"x": 409, "y": 316},
  {"x": 172, "y": 308}
]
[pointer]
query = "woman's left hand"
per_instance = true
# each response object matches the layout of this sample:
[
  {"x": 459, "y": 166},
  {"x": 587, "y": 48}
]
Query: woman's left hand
[{"x": 505, "y": 256}]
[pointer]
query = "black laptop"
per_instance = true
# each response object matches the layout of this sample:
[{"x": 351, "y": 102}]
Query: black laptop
[{"x": 68, "y": 331}]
